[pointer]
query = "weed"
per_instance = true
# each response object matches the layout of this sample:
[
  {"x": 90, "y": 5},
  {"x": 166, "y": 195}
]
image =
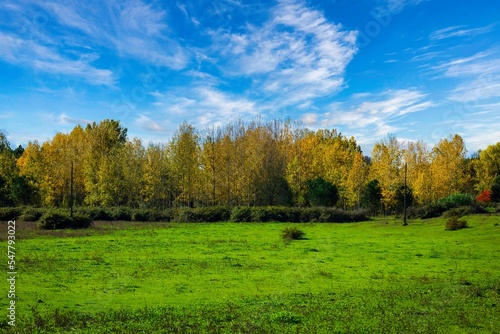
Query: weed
[
  {"x": 454, "y": 223},
  {"x": 292, "y": 233}
]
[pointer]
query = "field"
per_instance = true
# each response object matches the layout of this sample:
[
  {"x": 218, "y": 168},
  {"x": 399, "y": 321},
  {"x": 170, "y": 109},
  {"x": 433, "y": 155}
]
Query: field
[{"x": 369, "y": 277}]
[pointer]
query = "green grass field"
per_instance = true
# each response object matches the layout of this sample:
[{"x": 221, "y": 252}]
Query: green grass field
[{"x": 370, "y": 277}]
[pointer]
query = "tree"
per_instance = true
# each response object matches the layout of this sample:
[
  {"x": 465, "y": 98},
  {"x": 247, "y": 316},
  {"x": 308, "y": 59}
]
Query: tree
[
  {"x": 371, "y": 196},
  {"x": 495, "y": 190},
  {"x": 322, "y": 193},
  {"x": 184, "y": 154},
  {"x": 448, "y": 166},
  {"x": 386, "y": 168},
  {"x": 488, "y": 167}
]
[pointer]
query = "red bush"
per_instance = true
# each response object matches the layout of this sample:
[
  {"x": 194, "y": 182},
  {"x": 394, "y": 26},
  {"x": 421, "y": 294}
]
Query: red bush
[{"x": 484, "y": 197}]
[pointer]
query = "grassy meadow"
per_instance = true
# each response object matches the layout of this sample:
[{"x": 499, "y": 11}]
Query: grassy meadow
[{"x": 369, "y": 277}]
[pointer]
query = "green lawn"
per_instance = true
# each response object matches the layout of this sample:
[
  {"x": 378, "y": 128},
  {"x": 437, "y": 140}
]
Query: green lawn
[{"x": 371, "y": 277}]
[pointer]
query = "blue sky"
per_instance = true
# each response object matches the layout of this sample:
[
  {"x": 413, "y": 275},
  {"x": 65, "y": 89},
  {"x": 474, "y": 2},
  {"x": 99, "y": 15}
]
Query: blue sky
[{"x": 420, "y": 69}]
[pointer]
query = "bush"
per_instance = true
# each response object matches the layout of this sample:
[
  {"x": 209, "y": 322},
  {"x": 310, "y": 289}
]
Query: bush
[
  {"x": 120, "y": 213},
  {"x": 31, "y": 214},
  {"x": 204, "y": 214},
  {"x": 94, "y": 213},
  {"x": 457, "y": 212},
  {"x": 484, "y": 197},
  {"x": 456, "y": 200},
  {"x": 53, "y": 219},
  {"x": 292, "y": 233},
  {"x": 427, "y": 211},
  {"x": 10, "y": 213},
  {"x": 57, "y": 219},
  {"x": 455, "y": 224},
  {"x": 241, "y": 214},
  {"x": 331, "y": 215},
  {"x": 81, "y": 221},
  {"x": 276, "y": 214}
]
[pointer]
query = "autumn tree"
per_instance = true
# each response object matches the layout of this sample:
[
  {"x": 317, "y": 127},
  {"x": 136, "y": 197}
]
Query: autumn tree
[
  {"x": 488, "y": 167},
  {"x": 386, "y": 168},
  {"x": 184, "y": 155},
  {"x": 447, "y": 168},
  {"x": 157, "y": 177}
]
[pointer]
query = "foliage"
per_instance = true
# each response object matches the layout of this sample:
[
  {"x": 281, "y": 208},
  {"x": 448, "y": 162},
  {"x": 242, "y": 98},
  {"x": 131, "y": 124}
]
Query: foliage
[
  {"x": 322, "y": 193},
  {"x": 7, "y": 214},
  {"x": 484, "y": 197},
  {"x": 400, "y": 197},
  {"x": 241, "y": 214},
  {"x": 457, "y": 212},
  {"x": 257, "y": 163},
  {"x": 454, "y": 223},
  {"x": 59, "y": 219},
  {"x": 120, "y": 213},
  {"x": 292, "y": 233},
  {"x": 371, "y": 197},
  {"x": 495, "y": 190},
  {"x": 54, "y": 219},
  {"x": 456, "y": 200},
  {"x": 201, "y": 215},
  {"x": 31, "y": 214},
  {"x": 487, "y": 167}
]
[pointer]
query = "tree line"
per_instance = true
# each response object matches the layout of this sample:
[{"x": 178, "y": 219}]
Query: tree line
[{"x": 257, "y": 163}]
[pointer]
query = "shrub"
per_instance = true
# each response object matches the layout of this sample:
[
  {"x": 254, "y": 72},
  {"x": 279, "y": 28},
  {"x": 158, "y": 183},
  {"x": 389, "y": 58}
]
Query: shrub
[
  {"x": 457, "y": 212},
  {"x": 94, "y": 213},
  {"x": 484, "y": 197},
  {"x": 455, "y": 224},
  {"x": 10, "y": 213},
  {"x": 31, "y": 214},
  {"x": 275, "y": 213},
  {"x": 427, "y": 211},
  {"x": 53, "y": 219},
  {"x": 241, "y": 214},
  {"x": 456, "y": 200},
  {"x": 292, "y": 233},
  {"x": 58, "y": 219},
  {"x": 120, "y": 213},
  {"x": 81, "y": 221}
]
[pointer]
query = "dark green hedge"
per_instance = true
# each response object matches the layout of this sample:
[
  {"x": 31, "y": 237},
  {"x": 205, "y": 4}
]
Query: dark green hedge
[{"x": 60, "y": 218}]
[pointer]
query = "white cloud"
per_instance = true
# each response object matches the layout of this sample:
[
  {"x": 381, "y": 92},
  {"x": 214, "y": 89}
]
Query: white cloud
[
  {"x": 459, "y": 31},
  {"x": 376, "y": 117},
  {"x": 477, "y": 77},
  {"x": 396, "y": 6},
  {"x": 203, "y": 106},
  {"x": 147, "y": 123},
  {"x": 65, "y": 120},
  {"x": 297, "y": 54},
  {"x": 133, "y": 28},
  {"x": 45, "y": 59}
]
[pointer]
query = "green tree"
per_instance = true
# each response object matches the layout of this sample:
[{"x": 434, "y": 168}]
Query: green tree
[
  {"x": 371, "y": 196},
  {"x": 322, "y": 193},
  {"x": 495, "y": 190}
]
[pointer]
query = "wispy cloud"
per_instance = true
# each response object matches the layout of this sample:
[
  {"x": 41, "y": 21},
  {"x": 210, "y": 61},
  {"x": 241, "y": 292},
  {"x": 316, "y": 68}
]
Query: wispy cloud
[
  {"x": 205, "y": 105},
  {"x": 459, "y": 31},
  {"x": 45, "y": 59},
  {"x": 477, "y": 76},
  {"x": 146, "y": 123},
  {"x": 396, "y": 6},
  {"x": 372, "y": 116},
  {"x": 67, "y": 120},
  {"x": 297, "y": 53},
  {"x": 131, "y": 29}
]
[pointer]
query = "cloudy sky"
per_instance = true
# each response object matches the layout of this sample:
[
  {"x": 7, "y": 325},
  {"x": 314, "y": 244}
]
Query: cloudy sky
[{"x": 420, "y": 69}]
